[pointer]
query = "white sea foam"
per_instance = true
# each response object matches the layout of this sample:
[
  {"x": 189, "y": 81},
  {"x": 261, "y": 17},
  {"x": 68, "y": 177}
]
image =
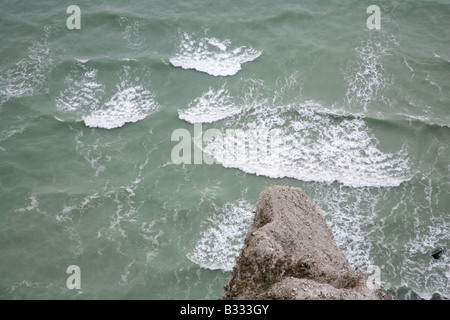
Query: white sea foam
[
  {"x": 26, "y": 286},
  {"x": 400, "y": 241},
  {"x": 83, "y": 92},
  {"x": 428, "y": 120},
  {"x": 220, "y": 243},
  {"x": 316, "y": 147},
  {"x": 34, "y": 204},
  {"x": 130, "y": 104},
  {"x": 433, "y": 83},
  {"x": 151, "y": 233},
  {"x": 131, "y": 32},
  {"x": 408, "y": 66},
  {"x": 366, "y": 77},
  {"x": 415, "y": 227},
  {"x": 28, "y": 76},
  {"x": 212, "y": 106},
  {"x": 314, "y": 144},
  {"x": 126, "y": 273},
  {"x": 212, "y": 55},
  {"x": 351, "y": 214},
  {"x": 86, "y": 100},
  {"x": 16, "y": 127}
]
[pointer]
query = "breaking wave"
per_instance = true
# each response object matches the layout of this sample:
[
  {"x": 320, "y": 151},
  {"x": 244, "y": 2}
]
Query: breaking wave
[
  {"x": 211, "y": 55},
  {"x": 85, "y": 98}
]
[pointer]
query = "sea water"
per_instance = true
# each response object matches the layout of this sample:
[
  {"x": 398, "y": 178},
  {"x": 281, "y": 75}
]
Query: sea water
[{"x": 87, "y": 118}]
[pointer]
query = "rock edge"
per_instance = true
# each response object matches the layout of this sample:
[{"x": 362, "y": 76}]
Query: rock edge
[{"x": 289, "y": 253}]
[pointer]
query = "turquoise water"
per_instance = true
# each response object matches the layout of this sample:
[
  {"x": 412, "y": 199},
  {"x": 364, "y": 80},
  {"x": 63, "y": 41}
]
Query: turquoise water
[{"x": 87, "y": 176}]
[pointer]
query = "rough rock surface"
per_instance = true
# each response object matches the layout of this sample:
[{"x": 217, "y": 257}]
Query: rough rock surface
[{"x": 289, "y": 253}]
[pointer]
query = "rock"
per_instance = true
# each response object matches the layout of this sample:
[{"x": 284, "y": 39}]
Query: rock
[
  {"x": 437, "y": 253},
  {"x": 289, "y": 253}
]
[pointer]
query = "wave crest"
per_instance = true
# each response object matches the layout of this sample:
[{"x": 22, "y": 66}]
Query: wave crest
[
  {"x": 212, "y": 56},
  {"x": 85, "y": 99}
]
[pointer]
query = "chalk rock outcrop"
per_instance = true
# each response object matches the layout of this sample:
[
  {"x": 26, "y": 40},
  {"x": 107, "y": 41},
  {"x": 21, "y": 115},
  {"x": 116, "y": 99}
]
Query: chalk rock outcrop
[{"x": 289, "y": 253}]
